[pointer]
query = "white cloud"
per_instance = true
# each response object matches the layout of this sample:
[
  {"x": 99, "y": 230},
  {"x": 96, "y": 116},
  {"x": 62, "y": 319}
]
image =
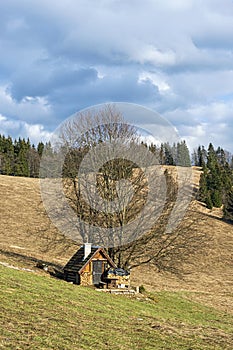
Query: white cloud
[
  {"x": 36, "y": 132},
  {"x": 150, "y": 54},
  {"x": 205, "y": 123},
  {"x": 156, "y": 79},
  {"x": 29, "y": 108},
  {"x": 149, "y": 139},
  {"x": 16, "y": 128}
]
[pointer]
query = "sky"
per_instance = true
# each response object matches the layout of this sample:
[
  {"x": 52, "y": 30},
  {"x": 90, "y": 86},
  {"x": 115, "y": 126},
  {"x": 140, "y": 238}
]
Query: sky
[{"x": 174, "y": 57}]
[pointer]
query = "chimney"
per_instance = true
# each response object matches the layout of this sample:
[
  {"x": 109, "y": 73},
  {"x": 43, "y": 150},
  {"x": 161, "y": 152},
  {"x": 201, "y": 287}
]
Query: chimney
[{"x": 87, "y": 250}]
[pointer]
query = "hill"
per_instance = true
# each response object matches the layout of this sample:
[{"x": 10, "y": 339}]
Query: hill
[
  {"x": 26, "y": 235},
  {"x": 44, "y": 313},
  {"x": 25, "y": 229}
]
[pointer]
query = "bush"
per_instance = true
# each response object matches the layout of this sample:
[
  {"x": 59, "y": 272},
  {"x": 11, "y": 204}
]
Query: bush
[{"x": 142, "y": 289}]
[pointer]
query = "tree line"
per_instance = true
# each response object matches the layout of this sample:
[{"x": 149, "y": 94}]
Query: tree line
[
  {"x": 20, "y": 157},
  {"x": 176, "y": 154},
  {"x": 216, "y": 181}
]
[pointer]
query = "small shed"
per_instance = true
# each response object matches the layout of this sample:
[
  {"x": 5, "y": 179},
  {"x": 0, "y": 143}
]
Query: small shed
[{"x": 88, "y": 266}]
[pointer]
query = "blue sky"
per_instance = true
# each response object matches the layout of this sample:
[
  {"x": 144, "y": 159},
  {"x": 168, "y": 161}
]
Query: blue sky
[{"x": 175, "y": 57}]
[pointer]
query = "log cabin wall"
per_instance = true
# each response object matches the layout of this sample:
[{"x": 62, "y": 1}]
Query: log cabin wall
[{"x": 86, "y": 277}]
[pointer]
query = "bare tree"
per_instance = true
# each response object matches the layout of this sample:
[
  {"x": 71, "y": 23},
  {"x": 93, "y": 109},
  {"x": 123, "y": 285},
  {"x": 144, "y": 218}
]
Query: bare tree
[{"x": 120, "y": 196}]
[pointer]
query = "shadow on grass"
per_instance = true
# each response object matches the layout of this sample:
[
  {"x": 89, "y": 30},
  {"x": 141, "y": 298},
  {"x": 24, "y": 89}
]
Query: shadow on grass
[
  {"x": 54, "y": 270},
  {"x": 226, "y": 221}
]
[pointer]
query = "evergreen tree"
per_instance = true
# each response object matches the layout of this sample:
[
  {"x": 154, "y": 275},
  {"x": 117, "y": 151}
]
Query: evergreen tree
[
  {"x": 203, "y": 190},
  {"x": 212, "y": 159},
  {"x": 40, "y": 148},
  {"x": 201, "y": 156},
  {"x": 183, "y": 156},
  {"x": 168, "y": 154},
  {"x": 209, "y": 203},
  {"x": 6, "y": 155},
  {"x": 216, "y": 180},
  {"x": 228, "y": 207},
  {"x": 195, "y": 158},
  {"x": 216, "y": 198},
  {"x": 21, "y": 166},
  {"x": 20, "y": 158},
  {"x": 162, "y": 155},
  {"x": 221, "y": 156},
  {"x": 152, "y": 148},
  {"x": 174, "y": 153},
  {"x": 34, "y": 162}
]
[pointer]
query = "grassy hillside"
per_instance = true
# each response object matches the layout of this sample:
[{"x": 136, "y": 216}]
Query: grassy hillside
[
  {"x": 38, "y": 312},
  {"x": 26, "y": 232}
]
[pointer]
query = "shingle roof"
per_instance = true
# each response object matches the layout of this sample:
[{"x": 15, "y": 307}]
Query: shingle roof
[{"x": 77, "y": 263}]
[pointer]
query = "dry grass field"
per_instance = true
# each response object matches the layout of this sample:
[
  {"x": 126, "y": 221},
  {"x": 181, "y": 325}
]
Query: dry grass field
[{"x": 26, "y": 232}]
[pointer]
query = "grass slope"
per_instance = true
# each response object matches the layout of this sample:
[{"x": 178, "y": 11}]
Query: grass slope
[
  {"x": 34, "y": 306},
  {"x": 24, "y": 228},
  {"x": 38, "y": 312}
]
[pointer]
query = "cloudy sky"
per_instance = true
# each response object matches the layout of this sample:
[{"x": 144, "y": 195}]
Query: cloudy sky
[{"x": 175, "y": 57}]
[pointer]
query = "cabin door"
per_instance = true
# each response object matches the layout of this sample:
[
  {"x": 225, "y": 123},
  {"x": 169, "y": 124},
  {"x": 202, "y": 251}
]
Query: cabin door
[{"x": 97, "y": 271}]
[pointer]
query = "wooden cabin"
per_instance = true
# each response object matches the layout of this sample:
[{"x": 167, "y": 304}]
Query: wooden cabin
[{"x": 88, "y": 266}]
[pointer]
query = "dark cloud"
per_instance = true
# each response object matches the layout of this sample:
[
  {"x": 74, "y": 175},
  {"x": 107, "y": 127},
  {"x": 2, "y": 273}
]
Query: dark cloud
[
  {"x": 107, "y": 89},
  {"x": 41, "y": 81},
  {"x": 172, "y": 56}
]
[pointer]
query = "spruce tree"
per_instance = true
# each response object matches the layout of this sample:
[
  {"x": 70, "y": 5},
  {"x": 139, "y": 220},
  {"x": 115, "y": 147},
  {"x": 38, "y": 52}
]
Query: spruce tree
[
  {"x": 183, "y": 156},
  {"x": 228, "y": 207},
  {"x": 203, "y": 190},
  {"x": 217, "y": 179},
  {"x": 168, "y": 154},
  {"x": 34, "y": 162},
  {"x": 216, "y": 198},
  {"x": 201, "y": 155},
  {"x": 208, "y": 201},
  {"x": 21, "y": 167},
  {"x": 162, "y": 155},
  {"x": 40, "y": 148},
  {"x": 6, "y": 155},
  {"x": 20, "y": 158},
  {"x": 195, "y": 158}
]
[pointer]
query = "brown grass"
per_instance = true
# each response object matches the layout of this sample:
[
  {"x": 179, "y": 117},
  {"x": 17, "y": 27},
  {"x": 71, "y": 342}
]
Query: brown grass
[{"x": 24, "y": 227}]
